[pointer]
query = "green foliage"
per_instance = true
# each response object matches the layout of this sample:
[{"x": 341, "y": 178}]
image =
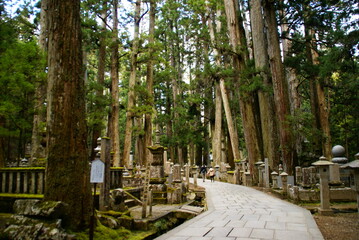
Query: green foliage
[
  {"x": 337, "y": 40},
  {"x": 183, "y": 54},
  {"x": 21, "y": 66},
  {"x": 340, "y": 68},
  {"x": 105, "y": 233}
]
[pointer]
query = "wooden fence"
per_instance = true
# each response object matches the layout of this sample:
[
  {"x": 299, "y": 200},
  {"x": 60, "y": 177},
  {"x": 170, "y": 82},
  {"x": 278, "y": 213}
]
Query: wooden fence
[{"x": 31, "y": 180}]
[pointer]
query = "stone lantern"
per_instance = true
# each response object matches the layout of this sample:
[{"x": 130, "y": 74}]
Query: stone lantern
[
  {"x": 195, "y": 174},
  {"x": 97, "y": 150},
  {"x": 217, "y": 172},
  {"x": 323, "y": 167},
  {"x": 354, "y": 166},
  {"x": 274, "y": 179},
  {"x": 284, "y": 178},
  {"x": 258, "y": 164}
]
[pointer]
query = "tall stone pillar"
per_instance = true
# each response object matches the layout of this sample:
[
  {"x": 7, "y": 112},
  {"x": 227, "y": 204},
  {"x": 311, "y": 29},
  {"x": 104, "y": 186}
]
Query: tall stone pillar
[
  {"x": 157, "y": 175},
  {"x": 323, "y": 167}
]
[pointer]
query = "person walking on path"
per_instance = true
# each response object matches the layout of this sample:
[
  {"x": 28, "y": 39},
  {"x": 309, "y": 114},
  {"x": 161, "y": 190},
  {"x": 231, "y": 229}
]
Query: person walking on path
[
  {"x": 211, "y": 174},
  {"x": 203, "y": 171}
]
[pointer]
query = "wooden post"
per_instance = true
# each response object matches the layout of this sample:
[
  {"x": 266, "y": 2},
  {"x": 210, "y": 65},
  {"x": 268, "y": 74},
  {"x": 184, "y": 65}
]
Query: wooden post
[
  {"x": 150, "y": 202},
  {"x": 40, "y": 189},
  {"x": 33, "y": 183},
  {"x": 11, "y": 182},
  {"x": 92, "y": 221},
  {"x": 3, "y": 184},
  {"x": 105, "y": 187},
  {"x": 26, "y": 182},
  {"x": 18, "y": 181}
]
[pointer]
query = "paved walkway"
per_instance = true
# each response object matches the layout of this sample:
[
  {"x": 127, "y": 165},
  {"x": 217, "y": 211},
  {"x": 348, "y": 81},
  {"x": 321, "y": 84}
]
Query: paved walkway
[{"x": 238, "y": 212}]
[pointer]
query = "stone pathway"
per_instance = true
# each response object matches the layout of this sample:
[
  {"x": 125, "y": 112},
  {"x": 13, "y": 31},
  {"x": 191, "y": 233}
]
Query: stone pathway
[{"x": 238, "y": 212}]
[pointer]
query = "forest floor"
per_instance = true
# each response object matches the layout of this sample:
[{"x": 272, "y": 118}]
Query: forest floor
[{"x": 343, "y": 224}]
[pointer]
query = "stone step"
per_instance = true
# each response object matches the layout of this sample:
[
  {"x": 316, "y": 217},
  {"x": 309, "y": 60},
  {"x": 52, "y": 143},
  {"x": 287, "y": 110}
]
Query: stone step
[
  {"x": 157, "y": 194},
  {"x": 159, "y": 200},
  {"x": 131, "y": 203}
]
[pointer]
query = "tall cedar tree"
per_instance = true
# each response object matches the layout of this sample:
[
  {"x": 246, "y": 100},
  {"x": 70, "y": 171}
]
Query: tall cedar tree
[
  {"x": 115, "y": 106},
  {"x": 131, "y": 86},
  {"x": 67, "y": 170}
]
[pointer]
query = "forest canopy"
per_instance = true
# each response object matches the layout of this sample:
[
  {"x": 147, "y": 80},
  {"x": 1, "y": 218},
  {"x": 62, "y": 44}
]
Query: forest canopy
[{"x": 217, "y": 81}]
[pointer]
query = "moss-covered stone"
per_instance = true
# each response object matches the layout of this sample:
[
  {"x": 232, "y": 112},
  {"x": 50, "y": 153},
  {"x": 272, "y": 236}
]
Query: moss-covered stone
[
  {"x": 23, "y": 169},
  {"x": 20, "y": 196},
  {"x": 117, "y": 168}
]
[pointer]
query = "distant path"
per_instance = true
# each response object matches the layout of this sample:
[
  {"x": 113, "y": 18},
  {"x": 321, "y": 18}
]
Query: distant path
[{"x": 238, "y": 212}]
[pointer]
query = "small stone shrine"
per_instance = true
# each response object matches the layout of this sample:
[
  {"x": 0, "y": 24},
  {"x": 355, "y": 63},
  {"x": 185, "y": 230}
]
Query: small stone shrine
[{"x": 157, "y": 177}]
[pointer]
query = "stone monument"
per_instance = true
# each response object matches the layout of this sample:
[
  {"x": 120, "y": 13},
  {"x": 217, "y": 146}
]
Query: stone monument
[{"x": 323, "y": 167}]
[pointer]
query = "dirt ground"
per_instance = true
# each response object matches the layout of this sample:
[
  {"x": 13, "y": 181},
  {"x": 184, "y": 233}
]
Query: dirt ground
[{"x": 339, "y": 226}]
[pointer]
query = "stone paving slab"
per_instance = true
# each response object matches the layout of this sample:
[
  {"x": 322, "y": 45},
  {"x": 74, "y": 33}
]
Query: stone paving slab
[{"x": 238, "y": 212}]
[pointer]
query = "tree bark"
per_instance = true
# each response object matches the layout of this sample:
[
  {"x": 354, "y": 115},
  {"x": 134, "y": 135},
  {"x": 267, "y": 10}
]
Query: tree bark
[
  {"x": 98, "y": 126},
  {"x": 217, "y": 136},
  {"x": 38, "y": 150},
  {"x": 67, "y": 170},
  {"x": 319, "y": 105},
  {"x": 232, "y": 133},
  {"x": 114, "y": 116},
  {"x": 291, "y": 76},
  {"x": 280, "y": 89},
  {"x": 239, "y": 58},
  {"x": 2, "y": 144},
  {"x": 149, "y": 83},
  {"x": 222, "y": 91},
  {"x": 131, "y": 86},
  {"x": 266, "y": 101}
]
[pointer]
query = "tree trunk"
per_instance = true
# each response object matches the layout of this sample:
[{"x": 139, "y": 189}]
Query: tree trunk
[
  {"x": 2, "y": 144},
  {"x": 38, "y": 150},
  {"x": 280, "y": 89},
  {"x": 114, "y": 116},
  {"x": 232, "y": 133},
  {"x": 237, "y": 41},
  {"x": 319, "y": 105},
  {"x": 98, "y": 126},
  {"x": 67, "y": 170},
  {"x": 292, "y": 79},
  {"x": 148, "y": 116},
  {"x": 266, "y": 101},
  {"x": 216, "y": 140},
  {"x": 225, "y": 100},
  {"x": 169, "y": 124},
  {"x": 140, "y": 146},
  {"x": 131, "y": 86}
]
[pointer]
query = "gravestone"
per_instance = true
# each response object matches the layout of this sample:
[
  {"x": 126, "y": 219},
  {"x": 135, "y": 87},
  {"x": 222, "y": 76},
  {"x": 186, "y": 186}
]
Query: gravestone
[
  {"x": 306, "y": 177},
  {"x": 298, "y": 175},
  {"x": 266, "y": 173}
]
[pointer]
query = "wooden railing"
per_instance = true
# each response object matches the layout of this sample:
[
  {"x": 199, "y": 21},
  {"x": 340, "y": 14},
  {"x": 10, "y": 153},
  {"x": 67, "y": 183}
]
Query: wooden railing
[
  {"x": 22, "y": 180},
  {"x": 31, "y": 180}
]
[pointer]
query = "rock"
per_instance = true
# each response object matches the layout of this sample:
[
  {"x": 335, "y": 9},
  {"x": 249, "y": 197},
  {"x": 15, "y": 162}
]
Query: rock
[
  {"x": 25, "y": 228},
  {"x": 37, "y": 208},
  {"x": 38, "y": 220},
  {"x": 108, "y": 221},
  {"x": 126, "y": 222},
  {"x": 25, "y": 232},
  {"x": 24, "y": 206}
]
